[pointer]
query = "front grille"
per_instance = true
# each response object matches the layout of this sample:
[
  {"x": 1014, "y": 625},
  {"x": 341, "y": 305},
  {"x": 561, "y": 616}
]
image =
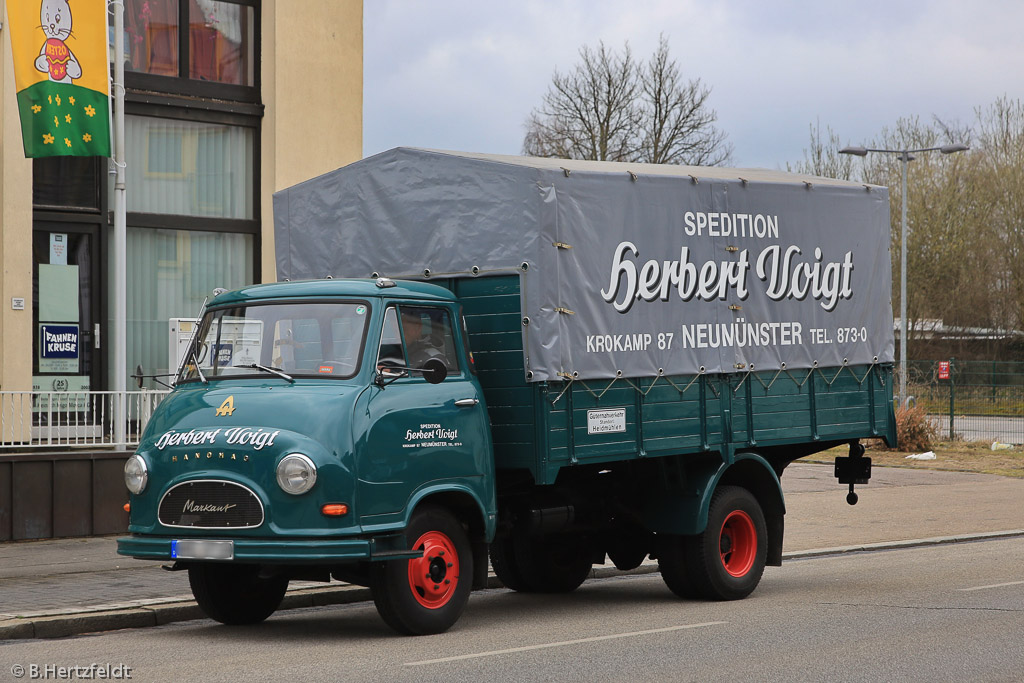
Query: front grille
[{"x": 210, "y": 504}]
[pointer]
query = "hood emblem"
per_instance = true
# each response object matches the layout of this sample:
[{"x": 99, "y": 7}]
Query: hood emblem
[{"x": 227, "y": 407}]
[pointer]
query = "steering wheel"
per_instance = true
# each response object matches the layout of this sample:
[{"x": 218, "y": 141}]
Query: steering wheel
[
  {"x": 385, "y": 365},
  {"x": 431, "y": 353}
]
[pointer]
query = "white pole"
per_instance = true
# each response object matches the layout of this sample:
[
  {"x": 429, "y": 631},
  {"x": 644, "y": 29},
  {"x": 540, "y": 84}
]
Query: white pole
[
  {"x": 120, "y": 234},
  {"x": 905, "y": 158}
]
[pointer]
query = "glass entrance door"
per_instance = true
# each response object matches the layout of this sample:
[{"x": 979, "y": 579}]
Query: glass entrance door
[{"x": 65, "y": 344}]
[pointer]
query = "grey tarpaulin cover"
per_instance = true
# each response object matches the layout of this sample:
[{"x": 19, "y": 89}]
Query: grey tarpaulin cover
[{"x": 625, "y": 268}]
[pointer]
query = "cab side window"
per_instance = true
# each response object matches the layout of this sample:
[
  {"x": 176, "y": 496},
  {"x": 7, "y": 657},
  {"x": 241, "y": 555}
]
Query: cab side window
[
  {"x": 390, "y": 352},
  {"x": 427, "y": 334}
]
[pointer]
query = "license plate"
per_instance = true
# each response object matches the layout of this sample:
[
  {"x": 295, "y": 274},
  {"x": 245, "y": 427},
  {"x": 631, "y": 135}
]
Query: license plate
[{"x": 194, "y": 549}]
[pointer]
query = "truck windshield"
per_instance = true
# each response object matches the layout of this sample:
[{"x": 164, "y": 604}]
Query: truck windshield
[{"x": 302, "y": 340}]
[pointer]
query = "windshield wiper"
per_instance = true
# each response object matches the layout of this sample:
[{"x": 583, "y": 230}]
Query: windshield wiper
[
  {"x": 199, "y": 369},
  {"x": 276, "y": 371}
]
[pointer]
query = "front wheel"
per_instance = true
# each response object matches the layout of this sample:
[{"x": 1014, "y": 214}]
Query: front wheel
[
  {"x": 426, "y": 595},
  {"x": 236, "y": 594}
]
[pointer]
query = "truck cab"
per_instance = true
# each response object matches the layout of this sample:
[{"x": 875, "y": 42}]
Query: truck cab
[{"x": 319, "y": 429}]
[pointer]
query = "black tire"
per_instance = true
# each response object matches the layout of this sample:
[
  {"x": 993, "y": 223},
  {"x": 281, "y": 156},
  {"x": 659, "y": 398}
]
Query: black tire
[
  {"x": 628, "y": 550},
  {"x": 672, "y": 565},
  {"x": 551, "y": 564},
  {"x": 503, "y": 561},
  {"x": 236, "y": 594},
  {"x": 426, "y": 595},
  {"x": 726, "y": 561}
]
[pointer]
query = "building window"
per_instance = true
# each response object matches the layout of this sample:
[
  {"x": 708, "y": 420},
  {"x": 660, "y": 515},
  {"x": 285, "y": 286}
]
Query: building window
[
  {"x": 151, "y": 36},
  {"x": 220, "y": 42},
  {"x": 190, "y": 168},
  {"x": 199, "y": 40},
  {"x": 67, "y": 183},
  {"x": 170, "y": 275},
  {"x": 164, "y": 153}
]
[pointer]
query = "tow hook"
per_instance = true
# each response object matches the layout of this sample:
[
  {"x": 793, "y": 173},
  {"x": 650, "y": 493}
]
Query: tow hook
[{"x": 853, "y": 469}]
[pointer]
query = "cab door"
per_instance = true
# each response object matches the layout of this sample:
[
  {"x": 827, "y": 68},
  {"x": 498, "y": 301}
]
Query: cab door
[{"x": 419, "y": 433}]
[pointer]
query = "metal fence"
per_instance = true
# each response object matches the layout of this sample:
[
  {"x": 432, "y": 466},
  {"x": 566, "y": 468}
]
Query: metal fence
[
  {"x": 971, "y": 400},
  {"x": 94, "y": 419}
]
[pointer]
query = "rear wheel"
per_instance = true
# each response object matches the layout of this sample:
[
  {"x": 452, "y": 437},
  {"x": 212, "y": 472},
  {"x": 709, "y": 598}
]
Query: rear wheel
[
  {"x": 726, "y": 561},
  {"x": 672, "y": 565},
  {"x": 503, "y": 561},
  {"x": 628, "y": 550},
  {"x": 426, "y": 595},
  {"x": 236, "y": 594}
]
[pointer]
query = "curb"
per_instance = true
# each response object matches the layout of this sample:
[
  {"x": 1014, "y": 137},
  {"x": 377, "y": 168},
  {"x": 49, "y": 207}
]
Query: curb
[
  {"x": 900, "y": 545},
  {"x": 164, "y": 611}
]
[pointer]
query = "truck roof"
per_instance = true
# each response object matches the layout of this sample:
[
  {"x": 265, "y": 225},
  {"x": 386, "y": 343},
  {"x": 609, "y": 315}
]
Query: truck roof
[
  {"x": 333, "y": 288},
  {"x": 759, "y": 175}
]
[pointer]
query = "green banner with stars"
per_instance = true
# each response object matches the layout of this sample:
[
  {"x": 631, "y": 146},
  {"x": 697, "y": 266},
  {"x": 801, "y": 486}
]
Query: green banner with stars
[{"x": 60, "y": 119}]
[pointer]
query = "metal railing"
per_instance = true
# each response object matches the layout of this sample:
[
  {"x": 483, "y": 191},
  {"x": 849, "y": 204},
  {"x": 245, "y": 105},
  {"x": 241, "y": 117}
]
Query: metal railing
[
  {"x": 94, "y": 419},
  {"x": 971, "y": 400}
]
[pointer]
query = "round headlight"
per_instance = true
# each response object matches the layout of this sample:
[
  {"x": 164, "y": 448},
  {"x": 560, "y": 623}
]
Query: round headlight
[
  {"x": 136, "y": 474},
  {"x": 296, "y": 474}
]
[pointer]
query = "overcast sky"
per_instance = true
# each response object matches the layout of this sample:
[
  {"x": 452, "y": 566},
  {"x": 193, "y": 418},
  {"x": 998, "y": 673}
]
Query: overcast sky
[{"x": 464, "y": 74}]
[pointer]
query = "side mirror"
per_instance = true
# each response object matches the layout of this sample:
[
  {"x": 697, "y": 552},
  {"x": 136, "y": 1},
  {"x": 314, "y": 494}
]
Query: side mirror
[{"x": 434, "y": 371}]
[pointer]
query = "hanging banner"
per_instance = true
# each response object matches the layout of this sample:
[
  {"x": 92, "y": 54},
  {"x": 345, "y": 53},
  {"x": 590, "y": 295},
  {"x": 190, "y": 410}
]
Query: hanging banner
[{"x": 62, "y": 76}]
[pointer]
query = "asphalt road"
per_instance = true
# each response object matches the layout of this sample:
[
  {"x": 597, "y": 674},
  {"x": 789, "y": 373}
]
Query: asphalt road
[{"x": 953, "y": 612}]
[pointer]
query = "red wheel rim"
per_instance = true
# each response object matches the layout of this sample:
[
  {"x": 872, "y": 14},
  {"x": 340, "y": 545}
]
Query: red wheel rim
[
  {"x": 434, "y": 577},
  {"x": 738, "y": 543}
]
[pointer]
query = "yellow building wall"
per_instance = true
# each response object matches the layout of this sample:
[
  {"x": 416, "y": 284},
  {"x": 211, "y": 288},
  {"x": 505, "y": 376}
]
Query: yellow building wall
[
  {"x": 15, "y": 234},
  {"x": 312, "y": 78}
]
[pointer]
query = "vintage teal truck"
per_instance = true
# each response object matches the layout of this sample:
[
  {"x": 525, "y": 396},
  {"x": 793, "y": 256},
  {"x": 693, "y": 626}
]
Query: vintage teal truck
[{"x": 545, "y": 397}]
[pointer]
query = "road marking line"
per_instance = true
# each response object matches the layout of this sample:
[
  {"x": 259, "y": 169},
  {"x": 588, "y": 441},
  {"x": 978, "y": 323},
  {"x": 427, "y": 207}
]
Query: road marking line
[
  {"x": 564, "y": 643},
  {"x": 994, "y": 585}
]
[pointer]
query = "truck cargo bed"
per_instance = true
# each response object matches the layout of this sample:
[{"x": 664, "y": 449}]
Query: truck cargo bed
[{"x": 542, "y": 427}]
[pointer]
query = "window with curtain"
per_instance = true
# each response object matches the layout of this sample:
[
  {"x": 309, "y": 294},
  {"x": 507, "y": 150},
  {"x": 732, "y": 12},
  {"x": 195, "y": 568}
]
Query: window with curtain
[
  {"x": 220, "y": 39},
  {"x": 220, "y": 42},
  {"x": 192, "y": 146},
  {"x": 170, "y": 273},
  {"x": 151, "y": 36},
  {"x": 189, "y": 168}
]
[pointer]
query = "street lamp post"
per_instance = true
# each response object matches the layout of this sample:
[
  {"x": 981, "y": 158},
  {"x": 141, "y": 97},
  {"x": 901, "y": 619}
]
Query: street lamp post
[{"x": 905, "y": 156}]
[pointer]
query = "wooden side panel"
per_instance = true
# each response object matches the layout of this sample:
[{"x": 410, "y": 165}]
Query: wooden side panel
[{"x": 491, "y": 307}]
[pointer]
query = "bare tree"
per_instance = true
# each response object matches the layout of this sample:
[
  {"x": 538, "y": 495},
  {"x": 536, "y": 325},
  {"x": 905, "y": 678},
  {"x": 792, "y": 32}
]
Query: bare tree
[
  {"x": 677, "y": 121},
  {"x": 822, "y": 158},
  {"x": 610, "y": 108},
  {"x": 965, "y": 215},
  {"x": 1001, "y": 182},
  {"x": 588, "y": 113}
]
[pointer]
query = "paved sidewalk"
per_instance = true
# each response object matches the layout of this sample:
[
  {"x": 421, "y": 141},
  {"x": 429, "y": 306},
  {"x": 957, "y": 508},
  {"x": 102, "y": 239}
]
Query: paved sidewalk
[{"x": 62, "y": 587}]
